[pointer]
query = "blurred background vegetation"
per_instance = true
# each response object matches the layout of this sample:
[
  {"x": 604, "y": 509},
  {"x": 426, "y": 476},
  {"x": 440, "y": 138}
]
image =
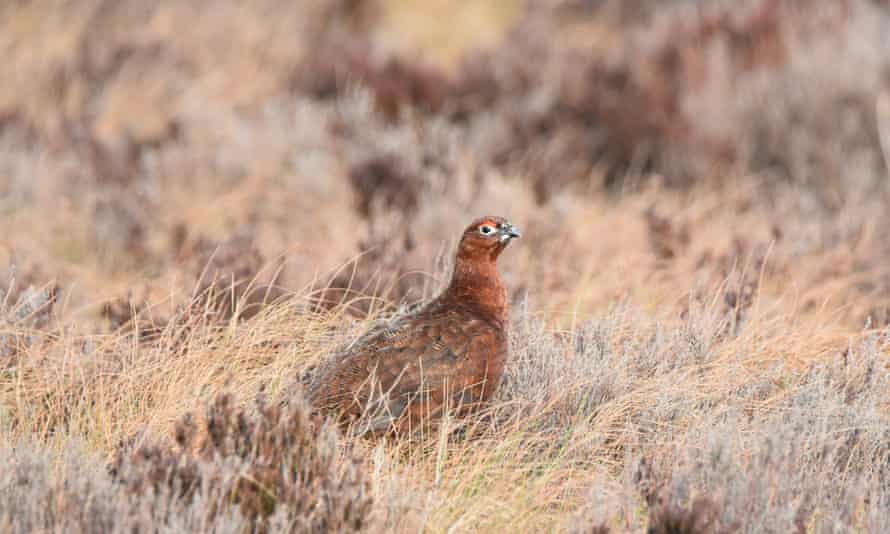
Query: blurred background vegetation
[{"x": 212, "y": 195}]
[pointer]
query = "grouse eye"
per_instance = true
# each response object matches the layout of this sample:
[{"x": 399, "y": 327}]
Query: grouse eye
[{"x": 486, "y": 230}]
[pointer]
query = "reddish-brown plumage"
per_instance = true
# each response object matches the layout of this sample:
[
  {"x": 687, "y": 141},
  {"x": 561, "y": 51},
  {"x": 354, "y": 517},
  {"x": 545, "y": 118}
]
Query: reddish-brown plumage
[{"x": 448, "y": 354}]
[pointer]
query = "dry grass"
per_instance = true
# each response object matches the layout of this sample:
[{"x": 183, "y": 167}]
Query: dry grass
[{"x": 198, "y": 211}]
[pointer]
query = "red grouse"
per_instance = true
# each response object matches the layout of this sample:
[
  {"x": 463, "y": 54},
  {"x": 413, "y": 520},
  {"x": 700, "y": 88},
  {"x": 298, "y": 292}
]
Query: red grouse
[{"x": 449, "y": 354}]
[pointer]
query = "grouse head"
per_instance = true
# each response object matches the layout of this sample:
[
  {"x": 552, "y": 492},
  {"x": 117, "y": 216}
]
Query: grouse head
[{"x": 486, "y": 238}]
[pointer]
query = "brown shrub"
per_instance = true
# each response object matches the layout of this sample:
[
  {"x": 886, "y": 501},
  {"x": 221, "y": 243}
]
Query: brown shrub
[
  {"x": 265, "y": 470},
  {"x": 232, "y": 279},
  {"x": 666, "y": 238},
  {"x": 660, "y": 101},
  {"x": 383, "y": 181},
  {"x": 128, "y": 314},
  {"x": 273, "y": 461},
  {"x": 377, "y": 274},
  {"x": 27, "y": 302},
  {"x": 118, "y": 229},
  {"x": 698, "y": 518}
]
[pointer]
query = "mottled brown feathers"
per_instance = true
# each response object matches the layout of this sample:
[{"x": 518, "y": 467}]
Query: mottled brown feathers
[{"x": 448, "y": 354}]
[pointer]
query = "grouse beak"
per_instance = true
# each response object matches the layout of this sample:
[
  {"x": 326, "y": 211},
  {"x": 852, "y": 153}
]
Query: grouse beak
[{"x": 508, "y": 232}]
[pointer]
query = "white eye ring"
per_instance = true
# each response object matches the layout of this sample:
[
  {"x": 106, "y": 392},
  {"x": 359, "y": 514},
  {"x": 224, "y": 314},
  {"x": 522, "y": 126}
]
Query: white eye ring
[{"x": 486, "y": 229}]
